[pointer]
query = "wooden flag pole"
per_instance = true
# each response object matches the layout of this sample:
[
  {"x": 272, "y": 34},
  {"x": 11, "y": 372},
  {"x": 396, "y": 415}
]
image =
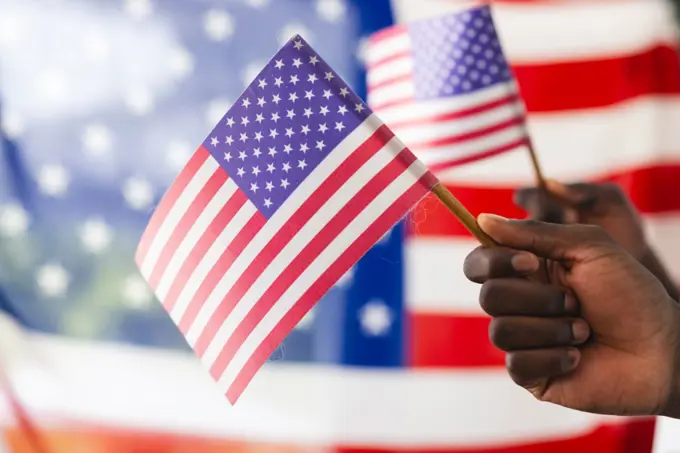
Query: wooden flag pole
[
  {"x": 462, "y": 214},
  {"x": 540, "y": 178}
]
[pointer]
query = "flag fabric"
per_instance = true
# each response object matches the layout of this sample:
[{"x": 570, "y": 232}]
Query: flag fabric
[
  {"x": 292, "y": 187},
  {"x": 445, "y": 87}
]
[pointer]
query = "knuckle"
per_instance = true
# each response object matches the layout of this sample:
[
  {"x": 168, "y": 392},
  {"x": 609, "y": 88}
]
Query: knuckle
[
  {"x": 501, "y": 333},
  {"x": 488, "y": 296}
]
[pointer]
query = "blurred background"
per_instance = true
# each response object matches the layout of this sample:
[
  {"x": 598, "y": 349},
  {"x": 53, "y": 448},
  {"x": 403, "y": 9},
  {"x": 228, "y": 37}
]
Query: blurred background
[{"x": 103, "y": 101}]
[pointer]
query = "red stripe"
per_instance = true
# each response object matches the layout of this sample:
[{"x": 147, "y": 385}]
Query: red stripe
[
  {"x": 653, "y": 190},
  {"x": 282, "y": 237},
  {"x": 583, "y": 84},
  {"x": 394, "y": 80},
  {"x": 207, "y": 193},
  {"x": 224, "y": 262},
  {"x": 219, "y": 223},
  {"x": 455, "y": 139},
  {"x": 309, "y": 253},
  {"x": 387, "y": 33},
  {"x": 336, "y": 270},
  {"x": 169, "y": 199},
  {"x": 427, "y": 120},
  {"x": 473, "y": 157}
]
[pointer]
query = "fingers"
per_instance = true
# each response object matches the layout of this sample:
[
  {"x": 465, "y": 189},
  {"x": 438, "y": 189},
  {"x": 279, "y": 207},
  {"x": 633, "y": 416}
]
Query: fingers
[
  {"x": 529, "y": 368},
  {"x": 520, "y": 297},
  {"x": 546, "y": 240},
  {"x": 485, "y": 263},
  {"x": 541, "y": 205},
  {"x": 515, "y": 333}
]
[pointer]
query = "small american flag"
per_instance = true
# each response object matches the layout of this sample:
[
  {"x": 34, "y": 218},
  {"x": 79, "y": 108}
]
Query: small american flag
[
  {"x": 444, "y": 86},
  {"x": 296, "y": 182}
]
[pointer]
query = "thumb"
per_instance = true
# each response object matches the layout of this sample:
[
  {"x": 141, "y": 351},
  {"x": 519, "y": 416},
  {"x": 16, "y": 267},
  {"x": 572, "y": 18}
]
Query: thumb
[
  {"x": 574, "y": 196},
  {"x": 546, "y": 240}
]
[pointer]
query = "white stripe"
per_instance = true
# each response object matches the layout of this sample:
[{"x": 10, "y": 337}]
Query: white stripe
[
  {"x": 384, "y": 48},
  {"x": 208, "y": 261},
  {"x": 416, "y": 110},
  {"x": 545, "y": 31},
  {"x": 399, "y": 91},
  {"x": 297, "y": 243},
  {"x": 276, "y": 221},
  {"x": 313, "y": 272},
  {"x": 504, "y": 137},
  {"x": 119, "y": 386},
  {"x": 184, "y": 201},
  {"x": 197, "y": 229},
  {"x": 586, "y": 144},
  {"x": 412, "y": 135},
  {"x": 440, "y": 286},
  {"x": 388, "y": 71}
]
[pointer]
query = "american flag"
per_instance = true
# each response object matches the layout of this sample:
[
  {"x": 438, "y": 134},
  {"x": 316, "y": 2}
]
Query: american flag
[
  {"x": 445, "y": 88},
  {"x": 292, "y": 187}
]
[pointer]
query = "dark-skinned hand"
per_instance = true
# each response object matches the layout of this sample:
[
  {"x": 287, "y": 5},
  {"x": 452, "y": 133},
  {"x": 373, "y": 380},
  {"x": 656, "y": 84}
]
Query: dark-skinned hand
[{"x": 598, "y": 334}]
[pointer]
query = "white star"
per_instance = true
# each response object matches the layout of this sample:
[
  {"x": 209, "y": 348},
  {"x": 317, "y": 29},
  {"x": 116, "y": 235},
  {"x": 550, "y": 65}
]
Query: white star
[
  {"x": 339, "y": 126},
  {"x": 284, "y": 183},
  {"x": 375, "y": 318},
  {"x": 297, "y": 62},
  {"x": 312, "y": 78},
  {"x": 287, "y": 148},
  {"x": 323, "y": 128},
  {"x": 97, "y": 139},
  {"x": 11, "y": 123},
  {"x": 278, "y": 82},
  {"x": 52, "y": 280},
  {"x": 230, "y": 122},
  {"x": 257, "y": 152},
  {"x": 240, "y": 171},
  {"x": 308, "y": 112},
  {"x": 294, "y": 79},
  {"x": 302, "y": 164},
  {"x": 215, "y": 110},
  {"x": 324, "y": 110},
  {"x": 181, "y": 62},
  {"x": 327, "y": 94},
  {"x": 271, "y": 168},
  {"x": 214, "y": 141},
  {"x": 258, "y": 136},
  {"x": 261, "y": 102},
  {"x": 256, "y": 171},
  {"x": 290, "y": 114},
  {"x": 313, "y": 60},
  {"x": 359, "y": 108},
  {"x": 331, "y": 10},
  {"x": 259, "y": 118},
  {"x": 309, "y": 94},
  {"x": 305, "y": 129},
  {"x": 14, "y": 220},
  {"x": 136, "y": 293},
  {"x": 138, "y": 193},
  {"x": 242, "y": 155},
  {"x": 298, "y": 44},
  {"x": 244, "y": 121},
  {"x": 279, "y": 64},
  {"x": 138, "y": 9},
  {"x": 269, "y": 186},
  {"x": 304, "y": 147},
  {"x": 139, "y": 101},
  {"x": 276, "y": 99},
  {"x": 218, "y": 25},
  {"x": 227, "y": 157},
  {"x": 275, "y": 116},
  {"x": 342, "y": 109},
  {"x": 95, "y": 235},
  {"x": 267, "y": 202},
  {"x": 286, "y": 167},
  {"x": 245, "y": 102},
  {"x": 320, "y": 145},
  {"x": 229, "y": 140},
  {"x": 261, "y": 83},
  {"x": 53, "y": 180},
  {"x": 272, "y": 151},
  {"x": 344, "y": 92},
  {"x": 243, "y": 137},
  {"x": 253, "y": 187},
  {"x": 273, "y": 133},
  {"x": 329, "y": 75},
  {"x": 289, "y": 132},
  {"x": 293, "y": 97}
]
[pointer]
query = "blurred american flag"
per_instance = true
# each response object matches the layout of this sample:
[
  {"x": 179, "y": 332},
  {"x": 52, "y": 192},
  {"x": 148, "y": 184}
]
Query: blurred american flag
[{"x": 103, "y": 103}]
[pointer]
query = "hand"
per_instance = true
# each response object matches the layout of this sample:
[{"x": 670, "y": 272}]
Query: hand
[
  {"x": 600, "y": 335},
  {"x": 604, "y": 205}
]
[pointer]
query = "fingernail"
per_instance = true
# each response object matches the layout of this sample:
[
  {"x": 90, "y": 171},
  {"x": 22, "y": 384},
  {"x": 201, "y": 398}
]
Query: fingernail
[
  {"x": 570, "y": 303},
  {"x": 524, "y": 262},
  {"x": 580, "y": 331},
  {"x": 571, "y": 360},
  {"x": 491, "y": 217}
]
